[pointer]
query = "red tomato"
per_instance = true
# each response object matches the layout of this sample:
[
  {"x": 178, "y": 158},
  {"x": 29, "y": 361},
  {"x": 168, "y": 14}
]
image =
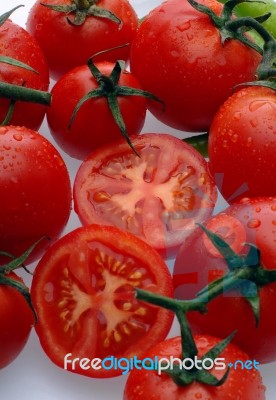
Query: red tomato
[
  {"x": 94, "y": 124},
  {"x": 195, "y": 73},
  {"x": 250, "y": 221},
  {"x": 241, "y": 383},
  {"x": 67, "y": 46},
  {"x": 17, "y": 43},
  {"x": 35, "y": 191},
  {"x": 158, "y": 197},
  {"x": 16, "y": 321},
  {"x": 242, "y": 144},
  {"x": 83, "y": 291}
]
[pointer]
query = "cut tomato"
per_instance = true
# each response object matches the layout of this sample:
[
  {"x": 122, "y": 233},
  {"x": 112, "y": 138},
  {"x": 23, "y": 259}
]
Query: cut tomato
[
  {"x": 83, "y": 291},
  {"x": 158, "y": 196}
]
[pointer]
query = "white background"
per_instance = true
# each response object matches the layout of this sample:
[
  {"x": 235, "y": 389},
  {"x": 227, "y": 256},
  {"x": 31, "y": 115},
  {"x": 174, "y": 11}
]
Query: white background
[{"x": 32, "y": 376}]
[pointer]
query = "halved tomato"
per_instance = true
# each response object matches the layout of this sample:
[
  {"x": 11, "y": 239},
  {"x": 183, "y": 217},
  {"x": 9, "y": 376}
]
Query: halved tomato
[
  {"x": 158, "y": 196},
  {"x": 83, "y": 292}
]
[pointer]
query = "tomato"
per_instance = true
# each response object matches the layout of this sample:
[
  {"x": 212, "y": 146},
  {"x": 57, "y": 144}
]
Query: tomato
[
  {"x": 17, "y": 43},
  {"x": 83, "y": 291},
  {"x": 16, "y": 321},
  {"x": 195, "y": 73},
  {"x": 94, "y": 124},
  {"x": 242, "y": 144},
  {"x": 35, "y": 191},
  {"x": 67, "y": 46},
  {"x": 249, "y": 221},
  {"x": 158, "y": 197},
  {"x": 241, "y": 383}
]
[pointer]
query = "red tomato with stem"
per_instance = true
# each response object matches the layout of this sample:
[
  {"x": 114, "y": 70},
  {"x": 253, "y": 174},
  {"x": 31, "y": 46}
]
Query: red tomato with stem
[
  {"x": 242, "y": 144},
  {"x": 195, "y": 72},
  {"x": 83, "y": 292},
  {"x": 241, "y": 383},
  {"x": 158, "y": 196},
  {"x": 199, "y": 263},
  {"x": 67, "y": 45},
  {"x": 17, "y": 43},
  {"x": 35, "y": 197},
  {"x": 94, "y": 125},
  {"x": 16, "y": 321}
]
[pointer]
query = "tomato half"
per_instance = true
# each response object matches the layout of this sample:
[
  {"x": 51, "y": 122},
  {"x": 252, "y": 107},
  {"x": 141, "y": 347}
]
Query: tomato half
[
  {"x": 94, "y": 124},
  {"x": 158, "y": 196},
  {"x": 195, "y": 72},
  {"x": 67, "y": 46},
  {"x": 16, "y": 321},
  {"x": 249, "y": 221},
  {"x": 241, "y": 383},
  {"x": 17, "y": 43},
  {"x": 83, "y": 291},
  {"x": 35, "y": 199},
  {"x": 242, "y": 144}
]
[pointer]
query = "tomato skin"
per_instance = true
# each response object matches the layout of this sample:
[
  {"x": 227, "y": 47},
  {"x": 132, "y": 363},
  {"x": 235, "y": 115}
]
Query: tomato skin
[
  {"x": 242, "y": 144},
  {"x": 158, "y": 197},
  {"x": 36, "y": 191},
  {"x": 94, "y": 124},
  {"x": 96, "y": 311},
  {"x": 197, "y": 73},
  {"x": 200, "y": 267},
  {"x": 16, "y": 321},
  {"x": 17, "y": 43},
  {"x": 53, "y": 33},
  {"x": 247, "y": 384}
]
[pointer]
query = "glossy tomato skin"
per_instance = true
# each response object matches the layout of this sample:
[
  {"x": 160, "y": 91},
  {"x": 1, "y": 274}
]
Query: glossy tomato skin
[
  {"x": 94, "y": 124},
  {"x": 195, "y": 73},
  {"x": 241, "y": 383},
  {"x": 83, "y": 291},
  {"x": 17, "y": 43},
  {"x": 54, "y": 34},
  {"x": 242, "y": 144},
  {"x": 35, "y": 191},
  {"x": 158, "y": 197},
  {"x": 249, "y": 221},
  {"x": 16, "y": 321}
]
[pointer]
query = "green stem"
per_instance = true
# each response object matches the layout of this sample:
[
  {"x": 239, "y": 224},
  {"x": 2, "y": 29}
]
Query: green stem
[
  {"x": 83, "y": 4},
  {"x": 15, "y": 93},
  {"x": 200, "y": 143}
]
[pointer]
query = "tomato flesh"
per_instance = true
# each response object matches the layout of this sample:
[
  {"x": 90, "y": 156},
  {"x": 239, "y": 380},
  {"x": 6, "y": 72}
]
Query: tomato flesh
[
  {"x": 83, "y": 290},
  {"x": 158, "y": 196}
]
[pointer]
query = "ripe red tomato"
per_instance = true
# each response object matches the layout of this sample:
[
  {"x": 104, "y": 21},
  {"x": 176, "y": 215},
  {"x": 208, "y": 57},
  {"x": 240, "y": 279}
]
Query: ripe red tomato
[
  {"x": 17, "y": 43},
  {"x": 195, "y": 73},
  {"x": 242, "y": 144},
  {"x": 241, "y": 383},
  {"x": 158, "y": 197},
  {"x": 16, "y": 321},
  {"x": 94, "y": 124},
  {"x": 67, "y": 46},
  {"x": 83, "y": 291},
  {"x": 197, "y": 264},
  {"x": 35, "y": 191}
]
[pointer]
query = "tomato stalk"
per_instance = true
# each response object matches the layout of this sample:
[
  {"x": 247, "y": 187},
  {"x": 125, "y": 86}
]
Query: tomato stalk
[
  {"x": 110, "y": 89},
  {"x": 83, "y": 9}
]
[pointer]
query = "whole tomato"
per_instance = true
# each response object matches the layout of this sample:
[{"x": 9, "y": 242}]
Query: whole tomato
[
  {"x": 242, "y": 144},
  {"x": 94, "y": 124},
  {"x": 240, "y": 384},
  {"x": 67, "y": 44},
  {"x": 199, "y": 263},
  {"x": 17, "y": 43},
  {"x": 16, "y": 321},
  {"x": 195, "y": 71},
  {"x": 35, "y": 199}
]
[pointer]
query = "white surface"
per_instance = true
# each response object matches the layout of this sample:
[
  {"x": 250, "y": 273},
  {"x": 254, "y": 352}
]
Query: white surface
[{"x": 32, "y": 376}]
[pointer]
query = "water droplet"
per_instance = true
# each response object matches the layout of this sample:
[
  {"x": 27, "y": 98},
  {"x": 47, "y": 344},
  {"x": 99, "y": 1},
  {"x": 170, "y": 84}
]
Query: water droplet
[
  {"x": 258, "y": 209},
  {"x": 249, "y": 141},
  {"x": 175, "y": 53},
  {"x": 256, "y": 104},
  {"x": 38, "y": 27},
  {"x": 6, "y": 147},
  {"x": 198, "y": 395},
  {"x": 274, "y": 222},
  {"x": 253, "y": 123},
  {"x": 184, "y": 27},
  {"x": 225, "y": 143},
  {"x": 254, "y": 223},
  {"x": 273, "y": 208},
  {"x": 234, "y": 138},
  {"x": 14, "y": 179},
  {"x": 237, "y": 115},
  {"x": 3, "y": 130},
  {"x": 18, "y": 137}
]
